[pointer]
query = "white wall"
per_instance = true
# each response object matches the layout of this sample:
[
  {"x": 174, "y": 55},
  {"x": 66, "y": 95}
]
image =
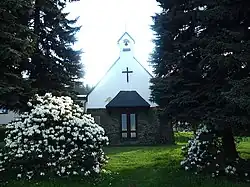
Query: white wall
[{"x": 6, "y": 118}]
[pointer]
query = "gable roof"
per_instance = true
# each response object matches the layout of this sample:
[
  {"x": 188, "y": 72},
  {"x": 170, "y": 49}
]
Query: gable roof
[
  {"x": 144, "y": 68},
  {"x": 127, "y": 99},
  {"x": 126, "y": 33},
  {"x": 112, "y": 67},
  {"x": 103, "y": 76}
]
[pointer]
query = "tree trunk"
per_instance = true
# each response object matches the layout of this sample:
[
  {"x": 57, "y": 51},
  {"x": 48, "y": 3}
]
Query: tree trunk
[
  {"x": 170, "y": 132},
  {"x": 194, "y": 127},
  {"x": 166, "y": 131},
  {"x": 37, "y": 22},
  {"x": 228, "y": 144}
]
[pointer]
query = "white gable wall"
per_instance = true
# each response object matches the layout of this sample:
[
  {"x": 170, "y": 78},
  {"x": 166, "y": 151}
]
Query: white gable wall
[
  {"x": 6, "y": 118},
  {"x": 115, "y": 81}
]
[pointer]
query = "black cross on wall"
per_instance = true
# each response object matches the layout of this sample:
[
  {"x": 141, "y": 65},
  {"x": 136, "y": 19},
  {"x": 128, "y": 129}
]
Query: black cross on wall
[{"x": 127, "y": 72}]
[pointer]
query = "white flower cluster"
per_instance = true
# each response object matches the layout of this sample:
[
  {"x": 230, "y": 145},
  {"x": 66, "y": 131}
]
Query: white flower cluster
[
  {"x": 202, "y": 152},
  {"x": 54, "y": 138},
  {"x": 236, "y": 169},
  {"x": 230, "y": 170}
]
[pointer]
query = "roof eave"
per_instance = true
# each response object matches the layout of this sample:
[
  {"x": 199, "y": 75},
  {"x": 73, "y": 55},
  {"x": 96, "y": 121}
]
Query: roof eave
[
  {"x": 124, "y": 35},
  {"x": 102, "y": 77}
]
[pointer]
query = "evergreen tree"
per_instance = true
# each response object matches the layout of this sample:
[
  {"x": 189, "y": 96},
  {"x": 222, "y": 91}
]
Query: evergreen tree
[
  {"x": 239, "y": 98},
  {"x": 201, "y": 45},
  {"x": 54, "y": 64},
  {"x": 36, "y": 38},
  {"x": 175, "y": 61},
  {"x": 15, "y": 47},
  {"x": 82, "y": 89},
  {"x": 225, "y": 47}
]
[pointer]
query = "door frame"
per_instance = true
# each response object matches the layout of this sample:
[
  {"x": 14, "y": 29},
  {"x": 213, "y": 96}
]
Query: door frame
[{"x": 128, "y": 112}]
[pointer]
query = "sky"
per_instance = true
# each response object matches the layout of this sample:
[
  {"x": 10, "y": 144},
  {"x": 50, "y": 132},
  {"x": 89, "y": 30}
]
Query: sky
[{"x": 103, "y": 23}]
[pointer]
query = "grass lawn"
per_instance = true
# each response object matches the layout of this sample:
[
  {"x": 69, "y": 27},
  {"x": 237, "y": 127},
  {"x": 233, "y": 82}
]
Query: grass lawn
[{"x": 146, "y": 167}]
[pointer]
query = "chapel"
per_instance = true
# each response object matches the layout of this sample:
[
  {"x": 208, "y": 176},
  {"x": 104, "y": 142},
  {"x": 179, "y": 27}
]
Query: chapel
[{"x": 120, "y": 100}]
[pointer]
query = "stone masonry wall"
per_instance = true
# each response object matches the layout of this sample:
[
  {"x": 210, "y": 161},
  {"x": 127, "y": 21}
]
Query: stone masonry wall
[{"x": 147, "y": 126}]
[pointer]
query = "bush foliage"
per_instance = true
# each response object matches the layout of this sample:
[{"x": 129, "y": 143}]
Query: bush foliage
[
  {"x": 204, "y": 154},
  {"x": 54, "y": 139}
]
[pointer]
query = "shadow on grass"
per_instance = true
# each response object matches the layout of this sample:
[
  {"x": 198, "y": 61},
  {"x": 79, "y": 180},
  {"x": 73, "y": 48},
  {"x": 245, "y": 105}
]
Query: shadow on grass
[
  {"x": 150, "y": 176},
  {"x": 165, "y": 176}
]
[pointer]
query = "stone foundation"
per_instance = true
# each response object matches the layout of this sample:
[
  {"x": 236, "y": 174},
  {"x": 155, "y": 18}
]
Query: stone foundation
[{"x": 148, "y": 130}]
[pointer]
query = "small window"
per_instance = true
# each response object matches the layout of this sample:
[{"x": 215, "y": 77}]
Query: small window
[
  {"x": 97, "y": 119},
  {"x": 124, "y": 122},
  {"x": 124, "y": 135},
  {"x": 132, "y": 122},
  {"x": 133, "y": 134},
  {"x": 128, "y": 126}
]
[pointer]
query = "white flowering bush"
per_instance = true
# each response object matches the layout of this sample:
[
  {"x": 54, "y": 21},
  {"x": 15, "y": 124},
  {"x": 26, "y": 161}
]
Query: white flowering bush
[
  {"x": 204, "y": 154},
  {"x": 54, "y": 139}
]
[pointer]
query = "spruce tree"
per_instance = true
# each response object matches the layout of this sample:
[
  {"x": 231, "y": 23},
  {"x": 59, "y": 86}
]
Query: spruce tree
[
  {"x": 55, "y": 65},
  {"x": 225, "y": 50},
  {"x": 175, "y": 62},
  {"x": 15, "y": 48},
  {"x": 201, "y": 47}
]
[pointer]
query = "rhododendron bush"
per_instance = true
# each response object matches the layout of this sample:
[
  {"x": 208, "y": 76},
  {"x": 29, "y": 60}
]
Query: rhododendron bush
[
  {"x": 204, "y": 154},
  {"x": 55, "y": 138}
]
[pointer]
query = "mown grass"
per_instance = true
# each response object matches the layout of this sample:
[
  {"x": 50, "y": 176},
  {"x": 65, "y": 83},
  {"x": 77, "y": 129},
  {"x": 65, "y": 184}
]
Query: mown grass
[
  {"x": 146, "y": 167},
  {"x": 183, "y": 137}
]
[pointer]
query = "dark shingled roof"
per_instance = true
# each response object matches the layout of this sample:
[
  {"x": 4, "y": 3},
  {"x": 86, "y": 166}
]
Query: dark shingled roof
[{"x": 127, "y": 99}]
